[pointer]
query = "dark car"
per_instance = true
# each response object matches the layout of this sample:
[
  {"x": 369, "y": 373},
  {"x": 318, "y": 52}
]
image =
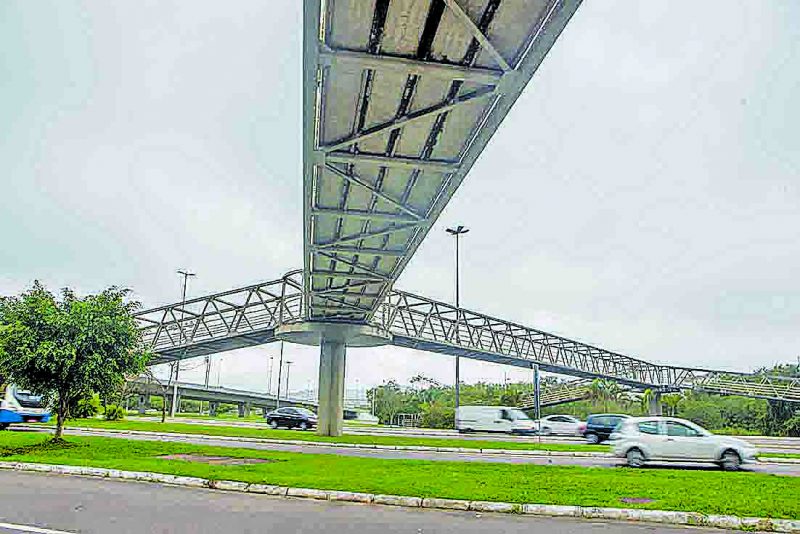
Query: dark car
[
  {"x": 292, "y": 418},
  {"x": 599, "y": 427}
]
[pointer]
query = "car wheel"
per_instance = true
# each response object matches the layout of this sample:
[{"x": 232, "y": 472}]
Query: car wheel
[
  {"x": 303, "y": 426},
  {"x": 273, "y": 424},
  {"x": 635, "y": 458},
  {"x": 731, "y": 461},
  {"x": 592, "y": 439},
  {"x": 546, "y": 431},
  {"x": 3, "y": 426}
]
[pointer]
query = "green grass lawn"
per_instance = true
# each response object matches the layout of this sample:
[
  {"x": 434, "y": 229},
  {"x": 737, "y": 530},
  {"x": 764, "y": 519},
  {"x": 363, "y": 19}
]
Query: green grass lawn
[
  {"x": 746, "y": 494},
  {"x": 221, "y": 430},
  {"x": 780, "y": 455}
]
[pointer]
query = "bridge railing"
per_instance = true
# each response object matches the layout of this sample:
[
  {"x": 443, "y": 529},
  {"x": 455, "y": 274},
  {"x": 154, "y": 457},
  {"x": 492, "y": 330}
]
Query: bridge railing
[
  {"x": 759, "y": 385},
  {"x": 412, "y": 316},
  {"x": 232, "y": 313},
  {"x": 249, "y": 315}
]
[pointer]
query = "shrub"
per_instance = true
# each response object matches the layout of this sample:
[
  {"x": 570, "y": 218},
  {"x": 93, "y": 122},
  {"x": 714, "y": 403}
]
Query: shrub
[
  {"x": 792, "y": 426},
  {"x": 114, "y": 412},
  {"x": 87, "y": 407}
]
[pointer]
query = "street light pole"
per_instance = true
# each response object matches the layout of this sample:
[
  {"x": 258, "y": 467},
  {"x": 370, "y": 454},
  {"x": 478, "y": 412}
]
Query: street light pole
[
  {"x": 280, "y": 371},
  {"x": 288, "y": 367},
  {"x": 182, "y": 337},
  {"x": 269, "y": 381},
  {"x": 457, "y": 231}
]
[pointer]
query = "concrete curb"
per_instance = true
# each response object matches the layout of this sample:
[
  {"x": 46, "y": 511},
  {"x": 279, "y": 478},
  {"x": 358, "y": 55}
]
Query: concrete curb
[
  {"x": 586, "y": 512},
  {"x": 418, "y": 448}
]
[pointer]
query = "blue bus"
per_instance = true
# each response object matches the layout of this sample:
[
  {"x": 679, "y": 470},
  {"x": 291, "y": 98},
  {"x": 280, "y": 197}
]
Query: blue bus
[{"x": 19, "y": 406}]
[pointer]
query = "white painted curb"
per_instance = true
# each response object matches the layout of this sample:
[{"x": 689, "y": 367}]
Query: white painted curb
[{"x": 613, "y": 514}]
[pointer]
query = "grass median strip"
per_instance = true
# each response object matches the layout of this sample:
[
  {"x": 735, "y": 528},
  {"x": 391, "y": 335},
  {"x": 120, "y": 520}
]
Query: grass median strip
[
  {"x": 710, "y": 492},
  {"x": 364, "y": 439}
]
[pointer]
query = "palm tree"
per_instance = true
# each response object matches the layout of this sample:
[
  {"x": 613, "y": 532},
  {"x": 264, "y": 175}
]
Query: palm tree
[
  {"x": 647, "y": 397},
  {"x": 672, "y": 401}
]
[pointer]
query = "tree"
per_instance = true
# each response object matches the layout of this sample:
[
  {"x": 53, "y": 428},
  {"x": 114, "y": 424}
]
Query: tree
[
  {"x": 66, "y": 349},
  {"x": 647, "y": 397},
  {"x": 672, "y": 401}
]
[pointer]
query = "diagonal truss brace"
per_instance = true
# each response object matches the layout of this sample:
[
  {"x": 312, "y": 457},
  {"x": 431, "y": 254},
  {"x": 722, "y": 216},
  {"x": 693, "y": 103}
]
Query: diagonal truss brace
[
  {"x": 411, "y": 118},
  {"x": 476, "y": 32},
  {"x": 448, "y": 71},
  {"x": 353, "y": 178}
]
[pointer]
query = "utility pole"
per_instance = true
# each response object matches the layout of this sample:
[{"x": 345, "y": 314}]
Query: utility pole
[
  {"x": 288, "y": 367},
  {"x": 269, "y": 380},
  {"x": 537, "y": 399},
  {"x": 182, "y": 337},
  {"x": 280, "y": 371},
  {"x": 457, "y": 231}
]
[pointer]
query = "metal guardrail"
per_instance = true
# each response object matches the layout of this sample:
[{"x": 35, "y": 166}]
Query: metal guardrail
[{"x": 249, "y": 316}]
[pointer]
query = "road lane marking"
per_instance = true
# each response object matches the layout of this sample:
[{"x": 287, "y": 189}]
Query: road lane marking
[{"x": 30, "y": 528}]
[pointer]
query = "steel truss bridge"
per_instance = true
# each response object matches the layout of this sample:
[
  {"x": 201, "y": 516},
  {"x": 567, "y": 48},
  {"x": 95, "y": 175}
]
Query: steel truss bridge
[
  {"x": 255, "y": 315},
  {"x": 400, "y": 97}
]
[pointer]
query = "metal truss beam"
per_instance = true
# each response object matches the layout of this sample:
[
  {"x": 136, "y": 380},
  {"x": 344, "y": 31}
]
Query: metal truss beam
[
  {"x": 364, "y": 215},
  {"x": 364, "y": 251},
  {"x": 447, "y": 71},
  {"x": 367, "y": 235},
  {"x": 353, "y": 178},
  {"x": 249, "y": 316},
  {"x": 465, "y": 19},
  {"x": 411, "y": 118},
  {"x": 393, "y": 162}
]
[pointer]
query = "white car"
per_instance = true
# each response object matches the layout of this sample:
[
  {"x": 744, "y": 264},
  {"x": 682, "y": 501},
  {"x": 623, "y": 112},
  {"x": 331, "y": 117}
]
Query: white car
[
  {"x": 564, "y": 425},
  {"x": 668, "y": 439}
]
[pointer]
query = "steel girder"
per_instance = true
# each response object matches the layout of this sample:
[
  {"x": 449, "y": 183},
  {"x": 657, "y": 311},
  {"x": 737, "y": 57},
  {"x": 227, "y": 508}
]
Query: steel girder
[
  {"x": 400, "y": 99},
  {"x": 249, "y": 316}
]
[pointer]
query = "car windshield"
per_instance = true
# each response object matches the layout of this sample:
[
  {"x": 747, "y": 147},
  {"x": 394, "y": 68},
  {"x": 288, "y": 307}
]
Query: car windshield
[
  {"x": 518, "y": 415},
  {"x": 28, "y": 399},
  {"x": 306, "y": 412}
]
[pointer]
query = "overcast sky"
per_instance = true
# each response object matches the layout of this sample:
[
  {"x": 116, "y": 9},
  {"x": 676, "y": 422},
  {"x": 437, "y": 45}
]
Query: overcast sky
[{"x": 643, "y": 194}]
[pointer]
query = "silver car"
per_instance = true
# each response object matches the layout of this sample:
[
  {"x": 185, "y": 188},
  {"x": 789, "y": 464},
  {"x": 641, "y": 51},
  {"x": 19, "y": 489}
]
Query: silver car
[{"x": 668, "y": 439}]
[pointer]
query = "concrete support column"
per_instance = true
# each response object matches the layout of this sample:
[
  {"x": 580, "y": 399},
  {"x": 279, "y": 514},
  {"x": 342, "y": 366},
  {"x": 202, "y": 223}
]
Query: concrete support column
[
  {"x": 654, "y": 407},
  {"x": 331, "y": 387},
  {"x": 241, "y": 409},
  {"x": 213, "y": 406},
  {"x": 144, "y": 401}
]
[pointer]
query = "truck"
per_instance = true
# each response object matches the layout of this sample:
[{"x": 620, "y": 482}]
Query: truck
[{"x": 494, "y": 419}]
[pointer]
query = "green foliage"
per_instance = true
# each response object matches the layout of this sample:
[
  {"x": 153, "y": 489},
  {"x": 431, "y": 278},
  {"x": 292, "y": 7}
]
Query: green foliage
[
  {"x": 437, "y": 414},
  {"x": 792, "y": 426},
  {"x": 435, "y": 402},
  {"x": 65, "y": 349},
  {"x": 87, "y": 407},
  {"x": 114, "y": 413}
]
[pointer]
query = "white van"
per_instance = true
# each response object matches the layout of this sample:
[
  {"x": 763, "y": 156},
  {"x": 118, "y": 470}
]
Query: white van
[{"x": 493, "y": 419}]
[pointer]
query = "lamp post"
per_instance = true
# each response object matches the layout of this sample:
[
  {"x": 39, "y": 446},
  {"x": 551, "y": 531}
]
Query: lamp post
[
  {"x": 280, "y": 370},
  {"x": 288, "y": 367},
  {"x": 457, "y": 231},
  {"x": 269, "y": 380},
  {"x": 186, "y": 275}
]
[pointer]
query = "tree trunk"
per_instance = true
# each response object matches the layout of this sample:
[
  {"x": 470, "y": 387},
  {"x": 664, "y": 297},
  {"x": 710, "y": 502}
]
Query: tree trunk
[
  {"x": 60, "y": 415},
  {"x": 164, "y": 408}
]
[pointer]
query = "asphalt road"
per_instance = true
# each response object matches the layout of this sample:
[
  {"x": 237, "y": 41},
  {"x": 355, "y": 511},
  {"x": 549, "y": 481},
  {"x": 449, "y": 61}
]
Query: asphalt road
[
  {"x": 606, "y": 462},
  {"x": 764, "y": 443},
  {"x": 32, "y": 502}
]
